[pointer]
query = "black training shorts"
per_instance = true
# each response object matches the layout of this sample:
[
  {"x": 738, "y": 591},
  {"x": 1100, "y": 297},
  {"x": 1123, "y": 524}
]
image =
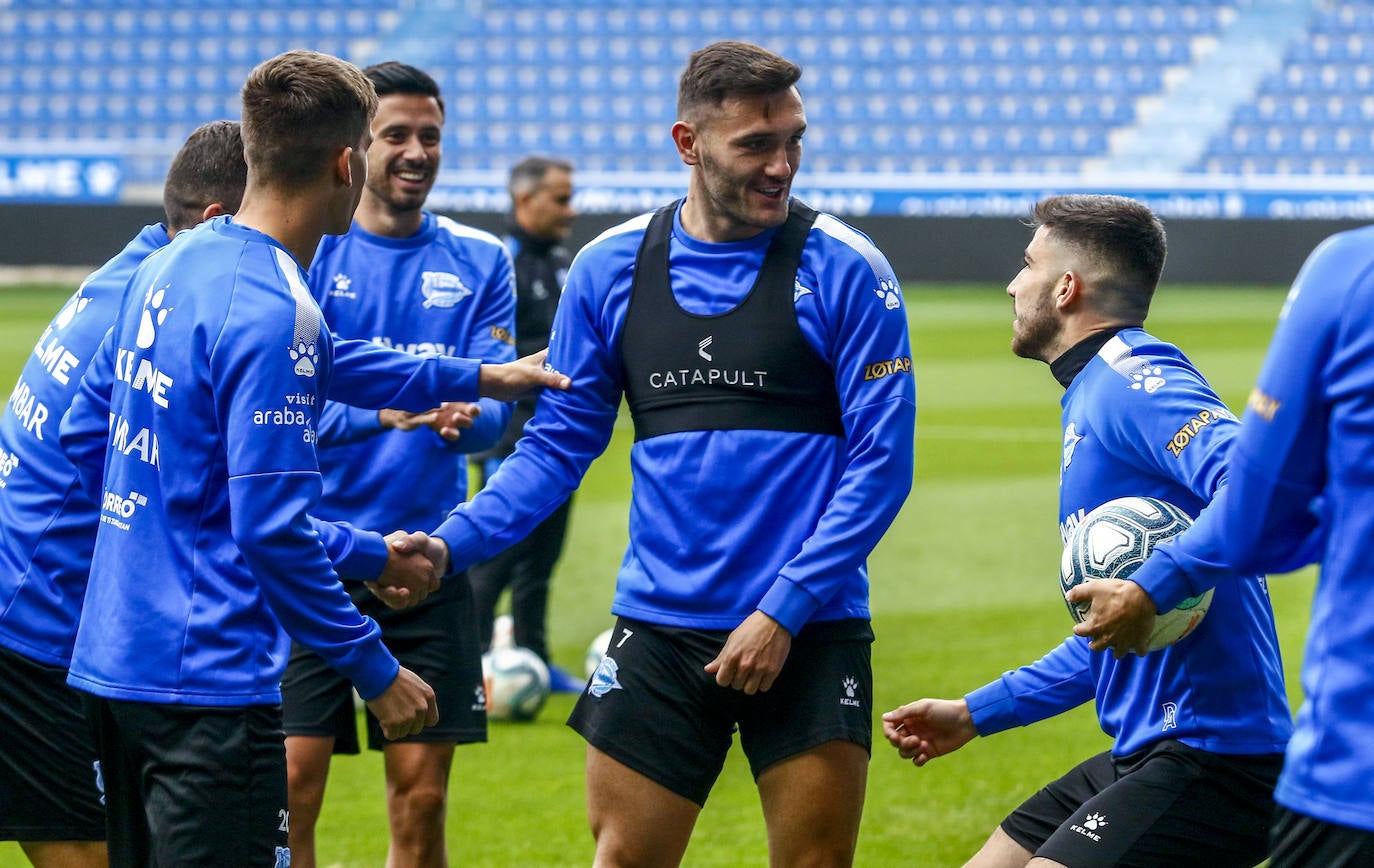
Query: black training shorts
[
  {"x": 192, "y": 785},
  {"x": 1169, "y": 804},
  {"x": 654, "y": 708},
  {"x": 1300, "y": 841},
  {"x": 436, "y": 640},
  {"x": 49, "y": 777}
]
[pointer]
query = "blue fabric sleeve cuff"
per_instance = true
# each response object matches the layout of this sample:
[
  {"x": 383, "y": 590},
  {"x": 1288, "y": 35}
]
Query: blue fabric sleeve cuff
[
  {"x": 788, "y": 604},
  {"x": 367, "y": 559},
  {"x": 372, "y": 678},
  {"x": 461, "y": 378},
  {"x": 1163, "y": 579},
  {"x": 993, "y": 708},
  {"x": 465, "y": 544}
]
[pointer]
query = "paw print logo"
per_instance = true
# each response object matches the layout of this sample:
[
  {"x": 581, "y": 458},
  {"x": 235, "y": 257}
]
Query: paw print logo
[
  {"x": 75, "y": 305},
  {"x": 1094, "y": 822},
  {"x": 890, "y": 294},
  {"x": 850, "y": 685},
  {"x": 306, "y": 357},
  {"x": 342, "y": 281},
  {"x": 1148, "y": 379},
  {"x": 154, "y": 315}
]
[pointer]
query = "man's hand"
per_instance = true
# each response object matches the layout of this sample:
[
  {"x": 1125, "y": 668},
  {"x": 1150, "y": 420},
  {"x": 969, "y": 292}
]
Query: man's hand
[
  {"x": 403, "y": 421},
  {"x": 522, "y": 378},
  {"x": 410, "y": 574},
  {"x": 1121, "y": 615},
  {"x": 452, "y": 417},
  {"x": 433, "y": 548},
  {"x": 406, "y": 707},
  {"x": 927, "y": 728},
  {"x": 753, "y": 655}
]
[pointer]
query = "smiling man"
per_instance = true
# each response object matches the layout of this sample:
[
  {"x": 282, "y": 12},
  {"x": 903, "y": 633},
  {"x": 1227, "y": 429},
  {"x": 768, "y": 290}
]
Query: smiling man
[
  {"x": 407, "y": 279},
  {"x": 765, "y": 470}
]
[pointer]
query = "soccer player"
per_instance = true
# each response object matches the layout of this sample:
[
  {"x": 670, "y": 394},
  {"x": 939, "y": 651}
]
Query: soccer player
[
  {"x": 196, "y": 425},
  {"x": 49, "y": 793},
  {"x": 763, "y": 350},
  {"x": 405, "y": 278},
  {"x": 541, "y": 191},
  {"x": 1299, "y": 491},
  {"x": 1200, "y": 726}
]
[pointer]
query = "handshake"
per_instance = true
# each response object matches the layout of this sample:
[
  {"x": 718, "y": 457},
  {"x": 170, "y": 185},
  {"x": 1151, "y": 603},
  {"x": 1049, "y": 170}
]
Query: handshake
[{"x": 415, "y": 562}]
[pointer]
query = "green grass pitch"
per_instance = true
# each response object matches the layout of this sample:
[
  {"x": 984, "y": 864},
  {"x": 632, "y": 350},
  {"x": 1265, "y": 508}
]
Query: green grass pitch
[{"x": 964, "y": 587}]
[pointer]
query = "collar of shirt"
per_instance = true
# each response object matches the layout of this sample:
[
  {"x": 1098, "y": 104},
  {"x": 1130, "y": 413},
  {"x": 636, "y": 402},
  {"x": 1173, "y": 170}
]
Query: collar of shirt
[{"x": 1076, "y": 357}]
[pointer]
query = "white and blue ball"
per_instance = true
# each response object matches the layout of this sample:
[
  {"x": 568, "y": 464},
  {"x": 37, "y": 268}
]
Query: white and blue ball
[
  {"x": 1112, "y": 541},
  {"x": 516, "y": 683}
]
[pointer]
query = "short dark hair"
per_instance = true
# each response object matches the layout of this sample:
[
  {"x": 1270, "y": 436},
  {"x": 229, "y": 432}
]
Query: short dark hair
[
  {"x": 731, "y": 69},
  {"x": 529, "y": 173},
  {"x": 392, "y": 76},
  {"x": 298, "y": 108},
  {"x": 1122, "y": 235},
  {"x": 209, "y": 168}
]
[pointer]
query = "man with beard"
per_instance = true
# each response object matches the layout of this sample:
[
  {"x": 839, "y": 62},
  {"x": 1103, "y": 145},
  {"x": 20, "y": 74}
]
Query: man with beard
[
  {"x": 1199, "y": 726},
  {"x": 764, "y": 354},
  {"x": 408, "y": 279}
]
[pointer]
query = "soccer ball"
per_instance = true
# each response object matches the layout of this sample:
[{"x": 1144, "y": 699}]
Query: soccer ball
[
  {"x": 597, "y": 650},
  {"x": 1112, "y": 541},
  {"x": 516, "y": 682}
]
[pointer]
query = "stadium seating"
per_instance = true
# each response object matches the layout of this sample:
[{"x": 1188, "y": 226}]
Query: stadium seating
[{"x": 996, "y": 86}]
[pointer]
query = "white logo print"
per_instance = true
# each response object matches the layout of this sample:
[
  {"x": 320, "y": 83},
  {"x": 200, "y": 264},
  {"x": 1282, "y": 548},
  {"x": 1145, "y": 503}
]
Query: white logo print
[
  {"x": 154, "y": 315},
  {"x": 343, "y": 286},
  {"x": 603, "y": 679},
  {"x": 442, "y": 289},
  {"x": 283, "y": 857},
  {"x": 701, "y": 348},
  {"x": 1148, "y": 379},
  {"x": 1091, "y": 824},
  {"x": 1170, "y": 716},
  {"x": 75, "y": 305},
  {"x": 798, "y": 290},
  {"x": 303, "y": 351},
  {"x": 1071, "y": 438},
  {"x": 850, "y": 686},
  {"x": 479, "y": 698},
  {"x": 890, "y": 293}
]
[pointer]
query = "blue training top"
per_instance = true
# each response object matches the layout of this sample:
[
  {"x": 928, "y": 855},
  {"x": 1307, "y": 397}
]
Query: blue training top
[
  {"x": 449, "y": 289},
  {"x": 196, "y": 422},
  {"x": 49, "y": 521},
  {"x": 723, "y": 523},
  {"x": 1302, "y": 488},
  {"x": 1139, "y": 419}
]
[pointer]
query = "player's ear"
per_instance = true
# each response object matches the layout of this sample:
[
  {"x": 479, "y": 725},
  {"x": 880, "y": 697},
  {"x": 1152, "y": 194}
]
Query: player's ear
[
  {"x": 214, "y": 209},
  {"x": 343, "y": 166},
  {"x": 686, "y": 138},
  {"x": 1069, "y": 289}
]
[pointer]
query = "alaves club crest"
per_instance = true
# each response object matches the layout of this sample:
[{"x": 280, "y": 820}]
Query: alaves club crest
[{"x": 442, "y": 289}]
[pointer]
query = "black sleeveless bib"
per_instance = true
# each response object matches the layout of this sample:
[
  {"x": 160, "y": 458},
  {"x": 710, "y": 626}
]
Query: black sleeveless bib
[{"x": 748, "y": 368}]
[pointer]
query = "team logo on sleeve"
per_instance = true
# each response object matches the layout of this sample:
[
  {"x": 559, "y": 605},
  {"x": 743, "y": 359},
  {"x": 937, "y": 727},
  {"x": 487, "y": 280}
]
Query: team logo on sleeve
[
  {"x": 304, "y": 350},
  {"x": 890, "y": 293},
  {"x": 442, "y": 289},
  {"x": 1148, "y": 379},
  {"x": 798, "y": 290}
]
